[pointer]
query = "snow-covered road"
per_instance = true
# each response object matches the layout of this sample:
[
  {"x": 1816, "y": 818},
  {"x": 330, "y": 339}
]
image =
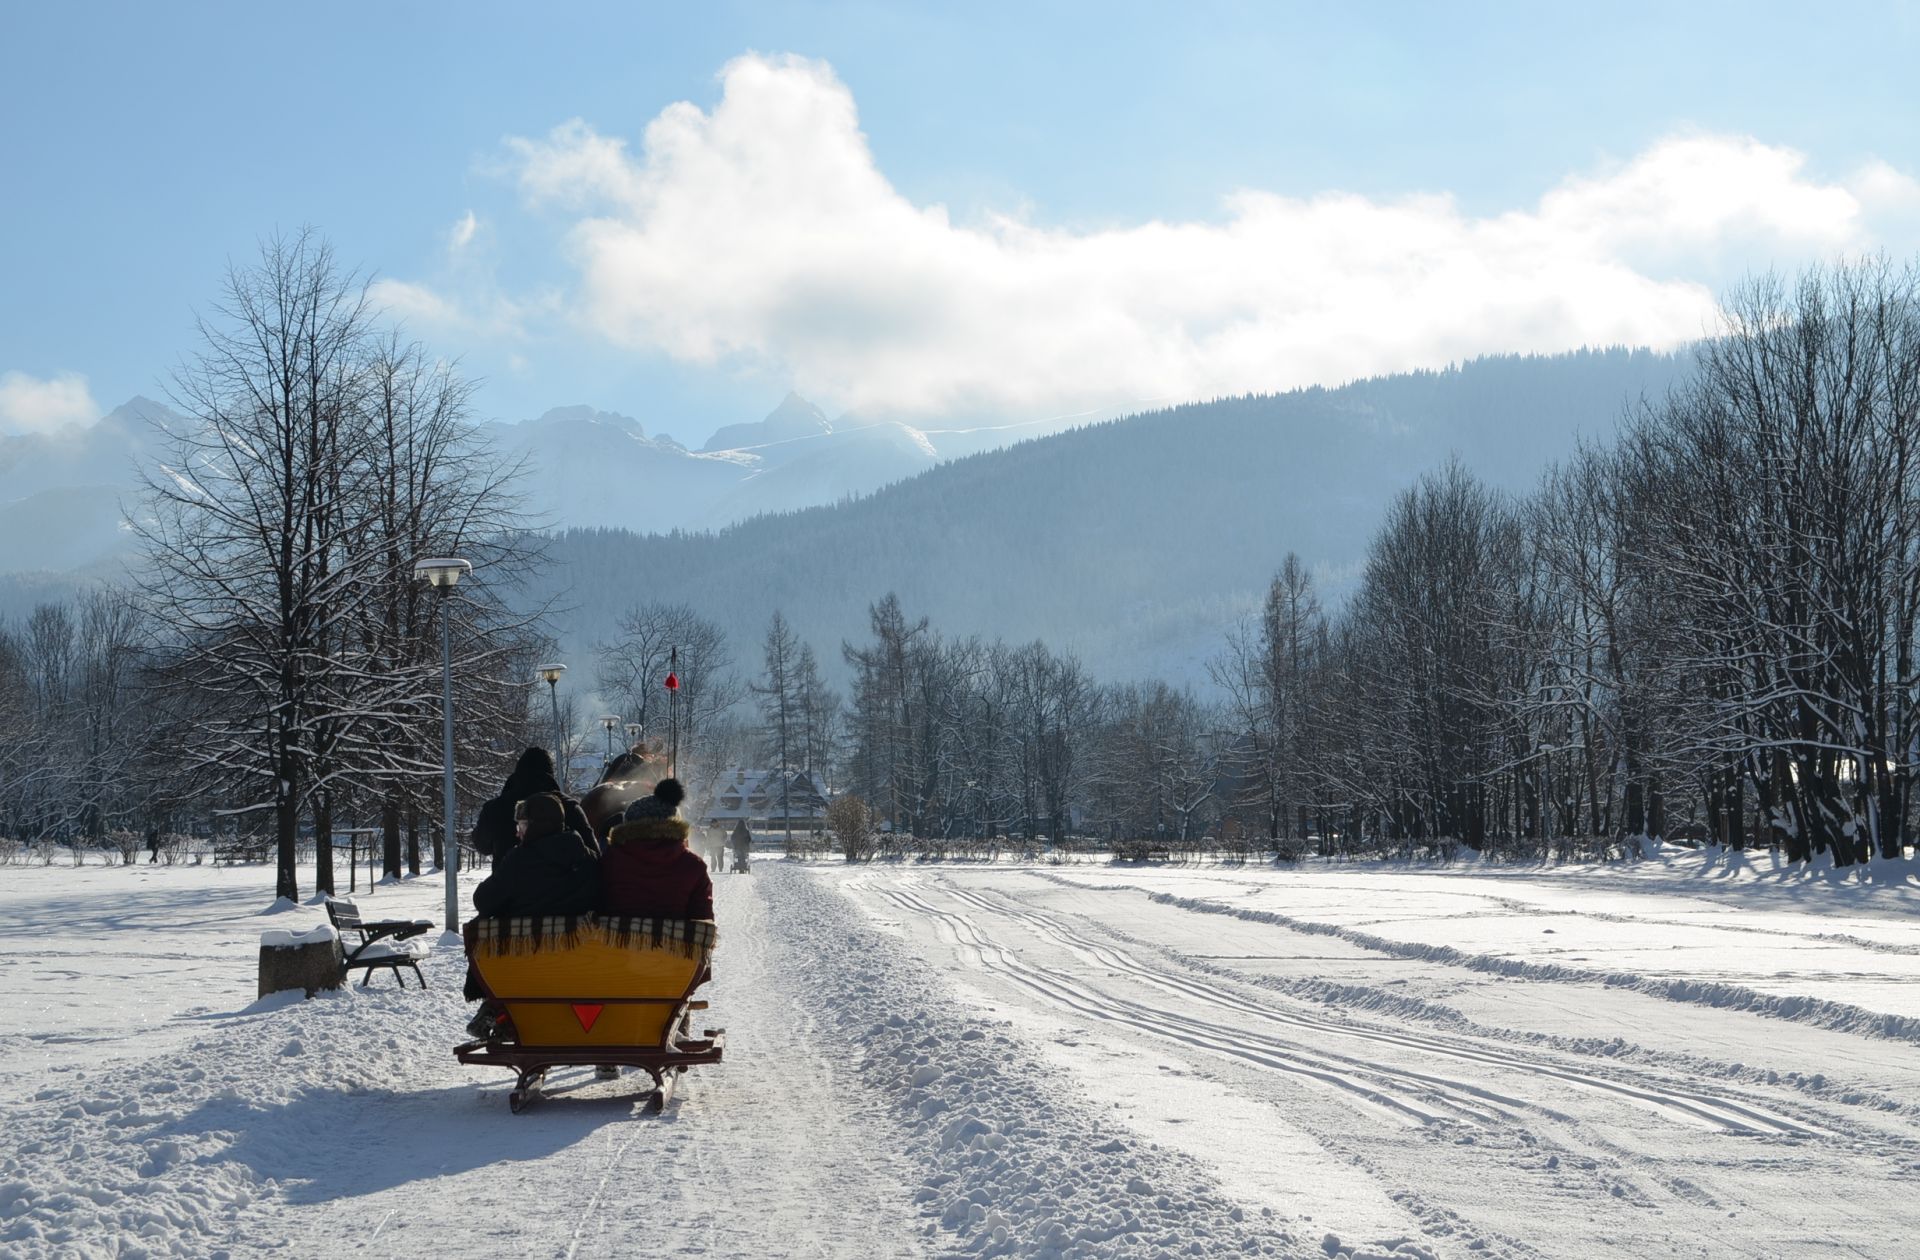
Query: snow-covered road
[{"x": 1668, "y": 1059}]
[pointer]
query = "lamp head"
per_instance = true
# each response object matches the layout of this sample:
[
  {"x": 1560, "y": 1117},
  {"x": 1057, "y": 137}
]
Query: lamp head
[
  {"x": 550, "y": 674},
  {"x": 609, "y": 721},
  {"x": 442, "y": 572}
]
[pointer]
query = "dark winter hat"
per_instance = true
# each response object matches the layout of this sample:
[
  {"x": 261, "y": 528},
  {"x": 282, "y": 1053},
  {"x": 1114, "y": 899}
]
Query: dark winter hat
[
  {"x": 664, "y": 803},
  {"x": 535, "y": 761},
  {"x": 544, "y": 814}
]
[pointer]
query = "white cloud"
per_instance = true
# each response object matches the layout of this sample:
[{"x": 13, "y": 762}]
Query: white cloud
[
  {"x": 31, "y": 405},
  {"x": 412, "y": 302},
  {"x": 463, "y": 231},
  {"x": 471, "y": 306},
  {"x": 762, "y": 233}
]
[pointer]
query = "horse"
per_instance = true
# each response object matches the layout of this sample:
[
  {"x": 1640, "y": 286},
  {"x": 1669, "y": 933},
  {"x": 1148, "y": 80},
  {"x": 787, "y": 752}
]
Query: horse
[{"x": 626, "y": 779}]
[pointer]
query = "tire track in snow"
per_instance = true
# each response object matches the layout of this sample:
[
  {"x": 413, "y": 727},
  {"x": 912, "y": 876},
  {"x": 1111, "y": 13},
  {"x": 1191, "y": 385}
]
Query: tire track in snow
[
  {"x": 1013, "y": 1162},
  {"x": 594, "y": 1201},
  {"x": 1719, "y": 1112},
  {"x": 1435, "y": 1220},
  {"x": 1402, "y": 1104},
  {"x": 1837, "y": 1016},
  {"x": 1593, "y": 1183}
]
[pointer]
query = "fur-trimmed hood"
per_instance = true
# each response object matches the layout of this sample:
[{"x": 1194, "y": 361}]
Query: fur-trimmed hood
[
  {"x": 649, "y": 871},
  {"x": 665, "y": 832}
]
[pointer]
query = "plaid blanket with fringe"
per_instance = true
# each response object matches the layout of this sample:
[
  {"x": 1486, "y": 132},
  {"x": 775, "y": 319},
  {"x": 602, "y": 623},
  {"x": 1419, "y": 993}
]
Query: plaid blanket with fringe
[{"x": 523, "y": 936}]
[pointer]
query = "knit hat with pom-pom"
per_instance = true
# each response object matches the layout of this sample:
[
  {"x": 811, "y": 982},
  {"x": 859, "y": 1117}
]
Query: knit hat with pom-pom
[{"x": 664, "y": 803}]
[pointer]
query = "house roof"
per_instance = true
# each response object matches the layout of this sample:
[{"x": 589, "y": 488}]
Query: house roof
[{"x": 743, "y": 792}]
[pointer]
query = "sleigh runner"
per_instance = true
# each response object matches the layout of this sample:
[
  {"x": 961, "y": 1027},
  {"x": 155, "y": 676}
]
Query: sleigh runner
[{"x": 593, "y": 991}]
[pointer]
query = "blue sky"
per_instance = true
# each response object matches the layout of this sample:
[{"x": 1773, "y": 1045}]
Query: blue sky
[{"x": 1019, "y": 209}]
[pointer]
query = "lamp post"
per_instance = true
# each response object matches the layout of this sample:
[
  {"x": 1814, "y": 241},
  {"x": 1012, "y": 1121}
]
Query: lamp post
[
  {"x": 607, "y": 724},
  {"x": 443, "y": 573},
  {"x": 550, "y": 675}
]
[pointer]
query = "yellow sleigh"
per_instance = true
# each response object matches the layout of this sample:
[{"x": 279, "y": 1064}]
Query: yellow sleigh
[{"x": 593, "y": 991}]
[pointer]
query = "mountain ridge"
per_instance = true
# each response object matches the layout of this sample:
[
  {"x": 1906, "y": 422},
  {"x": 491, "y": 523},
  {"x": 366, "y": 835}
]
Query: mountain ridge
[{"x": 1134, "y": 542}]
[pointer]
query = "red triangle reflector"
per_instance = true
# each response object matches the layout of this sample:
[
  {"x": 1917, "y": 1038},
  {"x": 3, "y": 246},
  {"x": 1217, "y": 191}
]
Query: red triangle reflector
[{"x": 587, "y": 1014}]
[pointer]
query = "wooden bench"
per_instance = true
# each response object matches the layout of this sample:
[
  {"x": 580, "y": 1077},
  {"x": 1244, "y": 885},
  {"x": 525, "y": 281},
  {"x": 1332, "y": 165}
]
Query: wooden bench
[
  {"x": 241, "y": 850},
  {"x": 385, "y": 943}
]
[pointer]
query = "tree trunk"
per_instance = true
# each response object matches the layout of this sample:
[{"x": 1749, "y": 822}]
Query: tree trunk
[
  {"x": 413, "y": 838},
  {"x": 390, "y": 840}
]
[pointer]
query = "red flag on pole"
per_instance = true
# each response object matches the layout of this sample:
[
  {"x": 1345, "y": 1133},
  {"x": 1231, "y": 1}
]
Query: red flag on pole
[{"x": 673, "y": 711}]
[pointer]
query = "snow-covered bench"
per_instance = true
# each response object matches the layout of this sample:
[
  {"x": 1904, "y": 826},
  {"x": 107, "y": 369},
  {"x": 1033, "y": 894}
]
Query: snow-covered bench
[{"x": 389, "y": 943}]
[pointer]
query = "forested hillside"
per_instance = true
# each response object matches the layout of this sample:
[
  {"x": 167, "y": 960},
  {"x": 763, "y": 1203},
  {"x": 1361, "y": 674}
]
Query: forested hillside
[{"x": 1134, "y": 543}]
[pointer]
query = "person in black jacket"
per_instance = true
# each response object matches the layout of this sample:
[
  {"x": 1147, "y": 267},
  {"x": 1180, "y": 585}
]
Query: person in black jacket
[
  {"x": 493, "y": 831},
  {"x": 553, "y": 870}
]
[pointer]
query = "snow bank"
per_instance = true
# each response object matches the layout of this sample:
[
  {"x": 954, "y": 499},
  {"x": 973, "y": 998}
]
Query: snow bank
[
  {"x": 165, "y": 1157},
  {"x": 1017, "y": 1163},
  {"x": 1838, "y": 1016}
]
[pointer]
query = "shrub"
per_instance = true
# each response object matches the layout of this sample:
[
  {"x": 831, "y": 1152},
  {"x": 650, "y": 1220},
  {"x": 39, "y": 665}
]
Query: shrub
[
  {"x": 850, "y": 823},
  {"x": 126, "y": 843}
]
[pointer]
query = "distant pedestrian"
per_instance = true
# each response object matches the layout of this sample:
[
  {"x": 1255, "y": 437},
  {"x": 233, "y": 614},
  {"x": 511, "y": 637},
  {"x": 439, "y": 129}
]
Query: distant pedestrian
[{"x": 742, "y": 846}]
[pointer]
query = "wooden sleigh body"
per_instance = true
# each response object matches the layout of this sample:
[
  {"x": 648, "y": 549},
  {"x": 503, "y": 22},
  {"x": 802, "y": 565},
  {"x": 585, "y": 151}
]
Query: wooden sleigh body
[{"x": 594, "y": 991}]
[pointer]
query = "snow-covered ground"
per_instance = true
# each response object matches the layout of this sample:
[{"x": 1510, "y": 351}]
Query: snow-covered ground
[{"x": 1686, "y": 1056}]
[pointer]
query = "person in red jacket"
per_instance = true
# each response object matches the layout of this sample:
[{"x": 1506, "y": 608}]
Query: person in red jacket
[{"x": 649, "y": 871}]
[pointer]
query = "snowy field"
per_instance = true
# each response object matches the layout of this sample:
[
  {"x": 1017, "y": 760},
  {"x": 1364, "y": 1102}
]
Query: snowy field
[{"x": 1682, "y": 1057}]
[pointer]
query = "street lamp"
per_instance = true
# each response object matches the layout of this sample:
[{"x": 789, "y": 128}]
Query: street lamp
[
  {"x": 607, "y": 724},
  {"x": 550, "y": 675},
  {"x": 443, "y": 573},
  {"x": 633, "y": 733}
]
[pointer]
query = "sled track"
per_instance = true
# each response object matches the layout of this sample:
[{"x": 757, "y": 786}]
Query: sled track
[
  {"x": 1818, "y": 1012},
  {"x": 1398, "y": 1094},
  {"x": 1730, "y": 1115},
  {"x": 1400, "y": 1091}
]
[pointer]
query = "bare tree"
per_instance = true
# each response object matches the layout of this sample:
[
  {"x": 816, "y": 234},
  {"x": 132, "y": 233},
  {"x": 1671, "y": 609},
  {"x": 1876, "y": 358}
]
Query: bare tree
[
  {"x": 324, "y": 456},
  {"x": 634, "y": 664},
  {"x": 246, "y": 518},
  {"x": 780, "y": 702}
]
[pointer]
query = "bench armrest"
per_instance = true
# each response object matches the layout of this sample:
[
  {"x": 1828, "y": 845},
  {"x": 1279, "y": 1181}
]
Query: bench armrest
[{"x": 398, "y": 929}]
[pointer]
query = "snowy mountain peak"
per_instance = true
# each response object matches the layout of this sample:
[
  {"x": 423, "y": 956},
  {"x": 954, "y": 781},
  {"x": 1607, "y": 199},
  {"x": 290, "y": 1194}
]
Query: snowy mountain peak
[
  {"x": 582, "y": 414},
  {"x": 795, "y": 412},
  {"x": 140, "y": 414},
  {"x": 793, "y": 419}
]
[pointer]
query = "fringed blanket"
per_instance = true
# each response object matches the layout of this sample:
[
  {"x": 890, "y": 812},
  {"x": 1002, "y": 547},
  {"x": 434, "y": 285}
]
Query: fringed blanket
[{"x": 687, "y": 937}]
